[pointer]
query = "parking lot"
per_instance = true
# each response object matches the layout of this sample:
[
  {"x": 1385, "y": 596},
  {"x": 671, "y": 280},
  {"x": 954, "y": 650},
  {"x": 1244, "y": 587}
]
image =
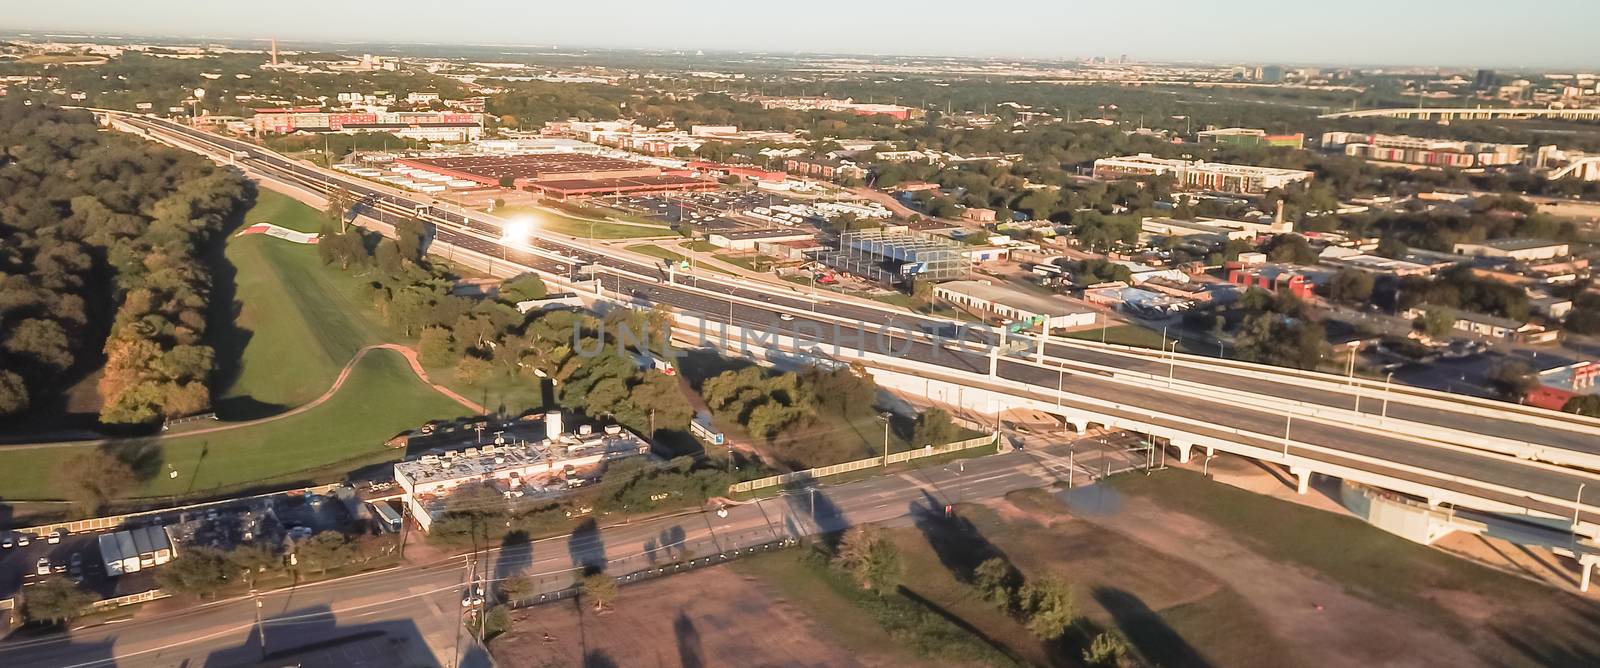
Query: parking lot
[
  {"x": 712, "y": 209},
  {"x": 19, "y": 564}
]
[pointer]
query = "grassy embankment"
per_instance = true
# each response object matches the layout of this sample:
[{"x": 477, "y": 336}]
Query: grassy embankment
[{"x": 297, "y": 324}]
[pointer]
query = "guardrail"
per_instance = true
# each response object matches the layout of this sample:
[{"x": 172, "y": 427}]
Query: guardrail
[{"x": 859, "y": 464}]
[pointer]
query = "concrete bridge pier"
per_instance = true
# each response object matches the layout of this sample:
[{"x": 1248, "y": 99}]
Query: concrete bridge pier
[
  {"x": 1184, "y": 449},
  {"x": 1079, "y": 425},
  {"x": 1304, "y": 474},
  {"x": 1586, "y": 564}
]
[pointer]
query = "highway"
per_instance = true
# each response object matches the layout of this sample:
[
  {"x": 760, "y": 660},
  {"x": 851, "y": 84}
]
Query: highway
[
  {"x": 418, "y": 607},
  {"x": 1417, "y": 432}
]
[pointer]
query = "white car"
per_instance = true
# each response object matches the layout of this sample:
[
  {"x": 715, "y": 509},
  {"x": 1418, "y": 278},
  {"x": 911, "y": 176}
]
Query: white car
[
  {"x": 54, "y": 537},
  {"x": 786, "y": 317},
  {"x": 6, "y": 541},
  {"x": 23, "y": 540},
  {"x": 43, "y": 567}
]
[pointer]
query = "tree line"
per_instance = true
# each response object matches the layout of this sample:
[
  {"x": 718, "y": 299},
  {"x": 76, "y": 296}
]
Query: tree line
[{"x": 101, "y": 243}]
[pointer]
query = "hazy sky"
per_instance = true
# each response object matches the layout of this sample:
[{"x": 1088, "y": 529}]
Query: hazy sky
[{"x": 1499, "y": 33}]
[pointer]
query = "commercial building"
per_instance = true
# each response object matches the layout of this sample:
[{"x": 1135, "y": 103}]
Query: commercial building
[
  {"x": 1521, "y": 250},
  {"x": 1201, "y": 175},
  {"x": 522, "y": 170},
  {"x": 1494, "y": 327},
  {"x": 824, "y": 169},
  {"x": 1173, "y": 227},
  {"x": 894, "y": 111},
  {"x": 1559, "y": 380},
  {"x": 565, "y": 189},
  {"x": 1423, "y": 151},
  {"x": 544, "y": 469},
  {"x": 746, "y": 240},
  {"x": 1273, "y": 279},
  {"x": 1003, "y": 305},
  {"x": 1251, "y": 137},
  {"x": 899, "y": 255},
  {"x": 751, "y": 172},
  {"x": 1344, "y": 256},
  {"x": 422, "y": 125}
]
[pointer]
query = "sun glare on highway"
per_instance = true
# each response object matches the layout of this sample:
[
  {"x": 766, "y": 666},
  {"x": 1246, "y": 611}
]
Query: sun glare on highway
[{"x": 518, "y": 231}]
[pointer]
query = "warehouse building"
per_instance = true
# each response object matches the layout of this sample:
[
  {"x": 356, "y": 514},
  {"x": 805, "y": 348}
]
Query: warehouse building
[
  {"x": 749, "y": 240},
  {"x": 1521, "y": 250},
  {"x": 1251, "y": 137},
  {"x": 1004, "y": 305}
]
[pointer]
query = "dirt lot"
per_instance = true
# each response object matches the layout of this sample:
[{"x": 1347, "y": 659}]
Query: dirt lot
[{"x": 714, "y": 617}]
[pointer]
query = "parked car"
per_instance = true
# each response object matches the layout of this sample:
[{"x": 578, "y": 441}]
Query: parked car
[
  {"x": 6, "y": 541},
  {"x": 42, "y": 568},
  {"x": 54, "y": 537},
  {"x": 23, "y": 539}
]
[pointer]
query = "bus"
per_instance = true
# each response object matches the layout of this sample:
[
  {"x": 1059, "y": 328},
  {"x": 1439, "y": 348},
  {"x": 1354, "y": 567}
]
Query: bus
[{"x": 387, "y": 517}]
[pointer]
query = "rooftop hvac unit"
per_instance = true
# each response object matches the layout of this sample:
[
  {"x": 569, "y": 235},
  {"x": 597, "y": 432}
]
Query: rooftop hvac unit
[
  {"x": 552, "y": 425},
  {"x": 613, "y": 429},
  {"x": 585, "y": 430}
]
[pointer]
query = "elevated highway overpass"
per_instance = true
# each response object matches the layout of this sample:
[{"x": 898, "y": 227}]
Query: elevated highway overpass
[
  {"x": 1443, "y": 448},
  {"x": 1469, "y": 113}
]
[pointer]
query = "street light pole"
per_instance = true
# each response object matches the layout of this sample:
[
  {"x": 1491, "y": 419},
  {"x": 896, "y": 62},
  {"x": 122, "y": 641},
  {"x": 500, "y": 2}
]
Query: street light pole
[
  {"x": 885, "y": 417},
  {"x": 261, "y": 630}
]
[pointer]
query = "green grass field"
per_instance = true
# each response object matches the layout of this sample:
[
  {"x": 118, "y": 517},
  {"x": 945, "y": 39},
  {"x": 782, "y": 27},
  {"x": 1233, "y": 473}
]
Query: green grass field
[
  {"x": 381, "y": 398},
  {"x": 1136, "y": 336},
  {"x": 298, "y": 322},
  {"x": 570, "y": 226}
]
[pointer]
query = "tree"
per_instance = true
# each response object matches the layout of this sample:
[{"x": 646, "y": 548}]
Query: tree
[
  {"x": 933, "y": 427},
  {"x": 323, "y": 551},
  {"x": 997, "y": 580},
  {"x": 436, "y": 347},
  {"x": 92, "y": 478},
  {"x": 200, "y": 571},
  {"x": 601, "y": 590},
  {"x": 1048, "y": 607},
  {"x": 526, "y": 287},
  {"x": 870, "y": 558},
  {"x": 516, "y": 588},
  {"x": 56, "y": 600},
  {"x": 1513, "y": 378},
  {"x": 471, "y": 370},
  {"x": 1436, "y": 321},
  {"x": 338, "y": 207},
  {"x": 43, "y": 341},
  {"x": 253, "y": 559},
  {"x": 410, "y": 235},
  {"x": 1586, "y": 404},
  {"x": 1108, "y": 650},
  {"x": 1351, "y": 286},
  {"x": 13, "y": 393}
]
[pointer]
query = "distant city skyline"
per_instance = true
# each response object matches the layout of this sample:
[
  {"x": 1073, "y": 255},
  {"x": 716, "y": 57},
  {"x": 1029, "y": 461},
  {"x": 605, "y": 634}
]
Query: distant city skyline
[{"x": 1557, "y": 34}]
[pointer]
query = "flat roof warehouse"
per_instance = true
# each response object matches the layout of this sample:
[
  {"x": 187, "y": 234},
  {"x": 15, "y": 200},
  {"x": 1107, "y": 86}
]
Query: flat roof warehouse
[{"x": 524, "y": 169}]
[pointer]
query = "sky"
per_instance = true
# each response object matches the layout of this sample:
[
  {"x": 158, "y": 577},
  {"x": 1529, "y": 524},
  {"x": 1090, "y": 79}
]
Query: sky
[{"x": 1534, "y": 34}]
